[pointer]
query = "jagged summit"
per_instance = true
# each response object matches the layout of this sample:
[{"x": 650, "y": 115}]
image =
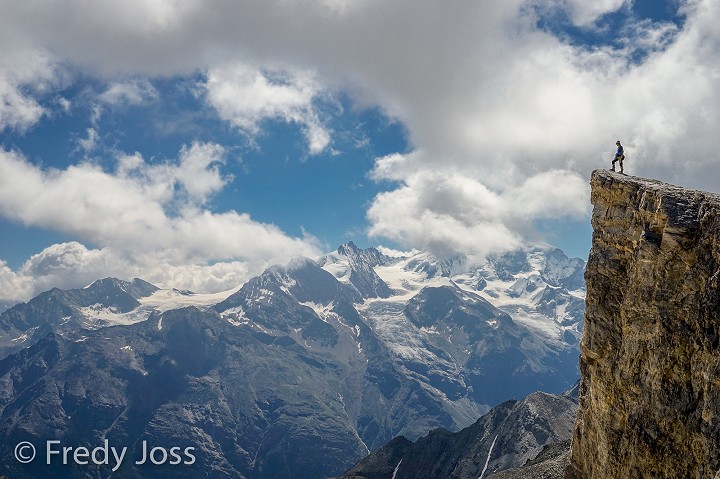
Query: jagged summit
[
  {"x": 371, "y": 255},
  {"x": 650, "y": 351},
  {"x": 356, "y": 266},
  {"x": 313, "y": 363}
]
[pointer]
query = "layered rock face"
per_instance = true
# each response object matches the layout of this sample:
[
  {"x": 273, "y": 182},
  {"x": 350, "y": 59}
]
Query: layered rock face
[{"x": 650, "y": 353}]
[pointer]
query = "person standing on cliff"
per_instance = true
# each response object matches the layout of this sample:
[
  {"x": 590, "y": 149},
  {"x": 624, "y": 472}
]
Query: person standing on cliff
[{"x": 619, "y": 156}]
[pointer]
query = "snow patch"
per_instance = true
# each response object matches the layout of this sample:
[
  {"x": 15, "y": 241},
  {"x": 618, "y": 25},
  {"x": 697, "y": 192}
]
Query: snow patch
[
  {"x": 235, "y": 316},
  {"x": 487, "y": 461},
  {"x": 167, "y": 299},
  {"x": 397, "y": 468},
  {"x": 22, "y": 338},
  {"x": 337, "y": 265}
]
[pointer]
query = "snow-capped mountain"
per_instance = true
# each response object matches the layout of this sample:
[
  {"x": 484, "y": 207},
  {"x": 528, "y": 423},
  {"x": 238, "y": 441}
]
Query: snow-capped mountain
[
  {"x": 105, "y": 302},
  {"x": 503, "y": 328},
  {"x": 311, "y": 364}
]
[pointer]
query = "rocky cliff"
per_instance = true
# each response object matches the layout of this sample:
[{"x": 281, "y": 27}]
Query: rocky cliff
[{"x": 650, "y": 353}]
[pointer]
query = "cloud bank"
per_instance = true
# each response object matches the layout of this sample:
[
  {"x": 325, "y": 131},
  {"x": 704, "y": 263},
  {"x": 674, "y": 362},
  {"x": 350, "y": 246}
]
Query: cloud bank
[
  {"x": 506, "y": 118},
  {"x": 144, "y": 219}
]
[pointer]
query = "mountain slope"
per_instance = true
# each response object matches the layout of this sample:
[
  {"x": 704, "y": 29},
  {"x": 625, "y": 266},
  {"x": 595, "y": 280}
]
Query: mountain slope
[
  {"x": 299, "y": 372},
  {"x": 253, "y": 405},
  {"x": 510, "y": 435},
  {"x": 549, "y": 464}
]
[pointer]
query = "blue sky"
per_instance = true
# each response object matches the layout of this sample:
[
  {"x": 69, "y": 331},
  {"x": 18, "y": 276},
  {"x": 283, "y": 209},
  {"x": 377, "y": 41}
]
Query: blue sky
[
  {"x": 274, "y": 177},
  {"x": 195, "y": 144}
]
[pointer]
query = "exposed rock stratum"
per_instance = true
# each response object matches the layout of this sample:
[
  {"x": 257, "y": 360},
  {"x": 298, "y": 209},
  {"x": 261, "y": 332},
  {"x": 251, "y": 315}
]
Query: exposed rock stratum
[{"x": 650, "y": 353}]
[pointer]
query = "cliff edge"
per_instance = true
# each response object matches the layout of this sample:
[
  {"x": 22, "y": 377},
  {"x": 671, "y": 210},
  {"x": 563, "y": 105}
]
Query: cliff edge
[{"x": 650, "y": 353}]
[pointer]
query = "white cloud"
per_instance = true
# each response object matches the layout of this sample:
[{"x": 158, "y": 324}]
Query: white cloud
[
  {"x": 67, "y": 264},
  {"x": 120, "y": 94},
  {"x": 199, "y": 171},
  {"x": 16, "y": 110},
  {"x": 90, "y": 142},
  {"x": 486, "y": 87},
  {"x": 585, "y": 13},
  {"x": 64, "y": 104},
  {"x": 147, "y": 219},
  {"x": 22, "y": 74},
  {"x": 499, "y": 111},
  {"x": 130, "y": 92},
  {"x": 13, "y": 287},
  {"x": 447, "y": 212},
  {"x": 581, "y": 13},
  {"x": 246, "y": 96},
  {"x": 72, "y": 265}
]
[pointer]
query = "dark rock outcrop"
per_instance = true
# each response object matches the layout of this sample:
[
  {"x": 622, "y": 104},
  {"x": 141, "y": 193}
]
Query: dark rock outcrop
[
  {"x": 549, "y": 464},
  {"x": 510, "y": 435},
  {"x": 650, "y": 353}
]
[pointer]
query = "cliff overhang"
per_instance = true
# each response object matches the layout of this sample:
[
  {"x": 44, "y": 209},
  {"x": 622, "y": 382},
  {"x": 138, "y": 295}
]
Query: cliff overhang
[{"x": 650, "y": 352}]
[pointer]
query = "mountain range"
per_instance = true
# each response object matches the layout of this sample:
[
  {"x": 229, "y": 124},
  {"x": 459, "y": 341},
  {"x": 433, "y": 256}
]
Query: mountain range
[{"x": 299, "y": 372}]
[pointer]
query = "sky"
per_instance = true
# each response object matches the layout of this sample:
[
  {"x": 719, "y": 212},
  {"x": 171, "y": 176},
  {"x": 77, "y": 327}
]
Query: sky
[{"x": 194, "y": 143}]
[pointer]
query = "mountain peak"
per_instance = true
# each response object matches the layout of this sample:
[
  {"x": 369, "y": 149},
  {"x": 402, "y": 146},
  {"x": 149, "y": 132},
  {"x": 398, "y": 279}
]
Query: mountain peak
[
  {"x": 348, "y": 248},
  {"x": 371, "y": 255},
  {"x": 137, "y": 288},
  {"x": 360, "y": 264}
]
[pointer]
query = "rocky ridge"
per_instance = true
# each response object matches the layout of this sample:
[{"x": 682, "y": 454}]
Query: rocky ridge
[
  {"x": 516, "y": 434},
  {"x": 650, "y": 353},
  {"x": 299, "y": 372}
]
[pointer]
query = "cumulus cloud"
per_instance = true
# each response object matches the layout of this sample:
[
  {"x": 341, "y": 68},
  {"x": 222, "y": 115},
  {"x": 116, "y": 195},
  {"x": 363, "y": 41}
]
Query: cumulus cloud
[
  {"x": 73, "y": 265},
  {"x": 17, "y": 110},
  {"x": 500, "y": 112},
  {"x": 68, "y": 264},
  {"x": 246, "y": 96},
  {"x": 492, "y": 149},
  {"x": 199, "y": 170},
  {"x": 486, "y": 86},
  {"x": 13, "y": 286},
  {"x": 147, "y": 219},
  {"x": 22, "y": 74},
  {"x": 90, "y": 142},
  {"x": 585, "y": 13},
  {"x": 447, "y": 212}
]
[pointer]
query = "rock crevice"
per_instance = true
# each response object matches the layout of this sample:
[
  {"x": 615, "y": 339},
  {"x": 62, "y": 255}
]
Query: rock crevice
[{"x": 650, "y": 353}]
